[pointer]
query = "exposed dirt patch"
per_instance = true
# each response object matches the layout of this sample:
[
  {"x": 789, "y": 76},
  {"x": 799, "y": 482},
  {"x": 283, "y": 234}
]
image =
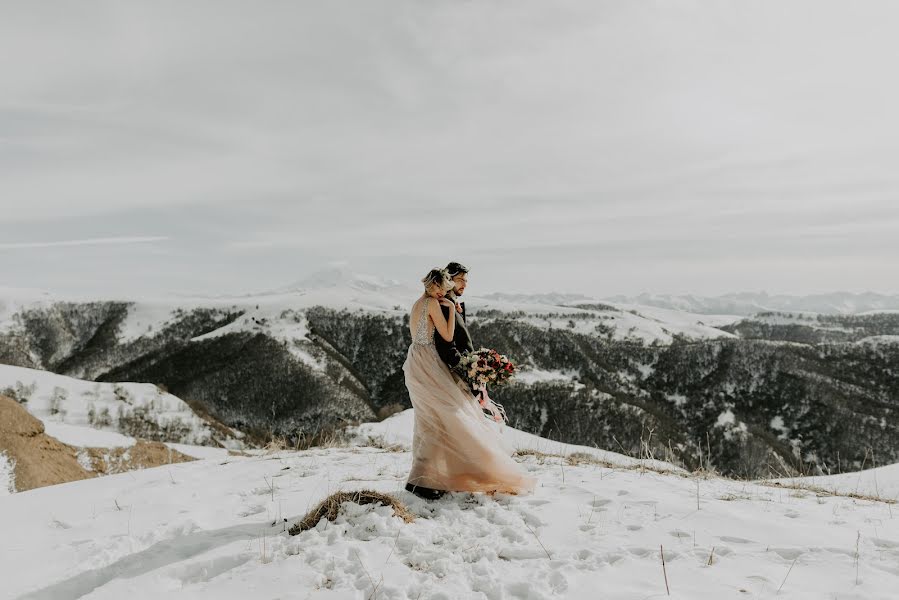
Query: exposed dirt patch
[
  {"x": 41, "y": 460},
  {"x": 142, "y": 455}
]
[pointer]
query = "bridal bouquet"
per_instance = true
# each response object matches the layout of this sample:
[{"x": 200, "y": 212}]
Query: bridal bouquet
[{"x": 485, "y": 366}]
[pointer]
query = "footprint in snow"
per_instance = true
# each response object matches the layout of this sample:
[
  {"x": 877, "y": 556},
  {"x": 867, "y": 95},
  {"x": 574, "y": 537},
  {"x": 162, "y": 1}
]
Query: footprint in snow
[
  {"x": 644, "y": 552},
  {"x": 537, "y": 502},
  {"x": 584, "y": 554},
  {"x": 251, "y": 510},
  {"x": 787, "y": 553},
  {"x": 512, "y": 534},
  {"x": 735, "y": 540}
]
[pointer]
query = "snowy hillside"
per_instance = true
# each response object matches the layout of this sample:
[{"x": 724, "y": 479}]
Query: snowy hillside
[
  {"x": 882, "y": 482},
  {"x": 216, "y": 529},
  {"x": 135, "y": 409},
  {"x": 614, "y": 322}
]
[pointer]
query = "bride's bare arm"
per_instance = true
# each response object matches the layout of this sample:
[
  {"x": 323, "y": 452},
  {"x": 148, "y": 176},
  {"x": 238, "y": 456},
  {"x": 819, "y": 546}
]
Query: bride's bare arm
[{"x": 446, "y": 328}]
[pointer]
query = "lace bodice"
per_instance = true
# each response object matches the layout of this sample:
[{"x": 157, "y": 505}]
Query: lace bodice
[{"x": 424, "y": 329}]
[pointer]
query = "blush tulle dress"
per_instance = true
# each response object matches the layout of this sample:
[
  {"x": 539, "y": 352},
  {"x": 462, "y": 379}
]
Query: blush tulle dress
[{"x": 454, "y": 447}]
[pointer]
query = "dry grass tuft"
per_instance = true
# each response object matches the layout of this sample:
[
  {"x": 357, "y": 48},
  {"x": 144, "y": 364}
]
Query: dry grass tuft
[
  {"x": 540, "y": 456},
  {"x": 276, "y": 444},
  {"x": 583, "y": 458},
  {"x": 730, "y": 497},
  {"x": 322, "y": 438},
  {"x": 382, "y": 444},
  {"x": 820, "y": 492},
  {"x": 577, "y": 458},
  {"x": 706, "y": 472},
  {"x": 329, "y": 508}
]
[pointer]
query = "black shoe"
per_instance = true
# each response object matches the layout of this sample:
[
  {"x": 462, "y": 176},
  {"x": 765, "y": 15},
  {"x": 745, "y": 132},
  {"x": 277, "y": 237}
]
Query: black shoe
[{"x": 424, "y": 492}]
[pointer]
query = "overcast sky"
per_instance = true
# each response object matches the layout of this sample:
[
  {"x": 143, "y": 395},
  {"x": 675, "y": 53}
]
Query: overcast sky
[{"x": 669, "y": 146}]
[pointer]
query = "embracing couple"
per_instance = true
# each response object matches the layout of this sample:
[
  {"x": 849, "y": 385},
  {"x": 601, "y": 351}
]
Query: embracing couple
[{"x": 454, "y": 446}]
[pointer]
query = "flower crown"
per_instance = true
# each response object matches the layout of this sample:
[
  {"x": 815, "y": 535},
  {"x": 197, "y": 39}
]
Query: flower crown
[{"x": 437, "y": 277}]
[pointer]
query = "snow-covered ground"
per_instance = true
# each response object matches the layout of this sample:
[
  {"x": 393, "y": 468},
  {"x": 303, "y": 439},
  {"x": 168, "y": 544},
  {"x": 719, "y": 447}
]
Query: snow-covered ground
[
  {"x": 7, "y": 476},
  {"x": 59, "y": 401},
  {"x": 397, "y": 430},
  {"x": 84, "y": 437},
  {"x": 215, "y": 529},
  {"x": 881, "y": 482},
  {"x": 145, "y": 319},
  {"x": 88, "y": 437}
]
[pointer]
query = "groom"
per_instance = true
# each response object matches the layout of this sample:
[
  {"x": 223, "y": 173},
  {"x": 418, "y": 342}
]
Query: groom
[{"x": 451, "y": 352}]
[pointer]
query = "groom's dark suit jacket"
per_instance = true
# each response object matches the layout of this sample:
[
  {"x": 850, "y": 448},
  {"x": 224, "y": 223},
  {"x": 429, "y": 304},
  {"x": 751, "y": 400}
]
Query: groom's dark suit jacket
[{"x": 451, "y": 352}]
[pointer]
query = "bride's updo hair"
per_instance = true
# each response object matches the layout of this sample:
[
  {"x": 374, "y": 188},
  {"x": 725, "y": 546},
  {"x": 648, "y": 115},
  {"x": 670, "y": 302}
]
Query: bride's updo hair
[{"x": 438, "y": 277}]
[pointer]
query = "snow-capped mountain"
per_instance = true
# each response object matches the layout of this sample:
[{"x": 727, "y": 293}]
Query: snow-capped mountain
[
  {"x": 340, "y": 277},
  {"x": 595, "y": 524}
]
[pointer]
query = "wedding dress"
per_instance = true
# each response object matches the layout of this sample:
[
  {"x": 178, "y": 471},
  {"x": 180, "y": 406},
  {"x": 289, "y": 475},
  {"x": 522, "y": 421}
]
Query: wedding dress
[{"x": 454, "y": 447}]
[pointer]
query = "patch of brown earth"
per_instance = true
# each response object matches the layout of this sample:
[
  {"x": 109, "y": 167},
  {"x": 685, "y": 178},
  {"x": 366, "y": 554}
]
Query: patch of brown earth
[
  {"x": 41, "y": 460},
  {"x": 142, "y": 455}
]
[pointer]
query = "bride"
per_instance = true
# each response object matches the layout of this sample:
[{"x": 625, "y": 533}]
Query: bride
[{"x": 454, "y": 447}]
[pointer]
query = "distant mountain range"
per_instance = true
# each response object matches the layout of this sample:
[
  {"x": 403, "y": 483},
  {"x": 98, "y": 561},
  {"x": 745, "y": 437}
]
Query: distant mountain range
[
  {"x": 335, "y": 277},
  {"x": 737, "y": 304},
  {"x": 782, "y": 391},
  {"x": 750, "y": 303},
  {"x": 321, "y": 283}
]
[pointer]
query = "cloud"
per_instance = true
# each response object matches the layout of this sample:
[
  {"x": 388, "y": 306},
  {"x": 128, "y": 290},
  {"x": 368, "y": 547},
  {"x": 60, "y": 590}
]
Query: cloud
[{"x": 86, "y": 242}]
